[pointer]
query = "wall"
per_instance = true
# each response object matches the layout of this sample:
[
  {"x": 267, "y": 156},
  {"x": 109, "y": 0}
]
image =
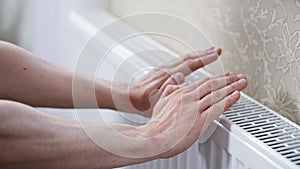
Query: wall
[
  {"x": 12, "y": 26},
  {"x": 259, "y": 38},
  {"x": 42, "y": 26}
]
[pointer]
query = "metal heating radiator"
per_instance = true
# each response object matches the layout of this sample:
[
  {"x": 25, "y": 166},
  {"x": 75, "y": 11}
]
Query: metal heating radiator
[{"x": 247, "y": 136}]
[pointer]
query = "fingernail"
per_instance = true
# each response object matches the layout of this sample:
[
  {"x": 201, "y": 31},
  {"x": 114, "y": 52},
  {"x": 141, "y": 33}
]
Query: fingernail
[
  {"x": 218, "y": 50},
  {"x": 242, "y": 81},
  {"x": 231, "y": 73},
  {"x": 241, "y": 76},
  {"x": 235, "y": 94}
]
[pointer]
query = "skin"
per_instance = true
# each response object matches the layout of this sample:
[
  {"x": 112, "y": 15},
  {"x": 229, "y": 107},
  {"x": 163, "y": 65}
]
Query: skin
[{"x": 30, "y": 138}]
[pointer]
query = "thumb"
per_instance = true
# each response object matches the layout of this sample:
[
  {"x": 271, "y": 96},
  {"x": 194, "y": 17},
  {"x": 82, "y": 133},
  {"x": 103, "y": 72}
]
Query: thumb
[{"x": 174, "y": 80}]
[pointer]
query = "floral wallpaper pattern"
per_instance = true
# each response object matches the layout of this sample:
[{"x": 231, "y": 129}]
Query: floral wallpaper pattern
[
  {"x": 259, "y": 38},
  {"x": 265, "y": 44}
]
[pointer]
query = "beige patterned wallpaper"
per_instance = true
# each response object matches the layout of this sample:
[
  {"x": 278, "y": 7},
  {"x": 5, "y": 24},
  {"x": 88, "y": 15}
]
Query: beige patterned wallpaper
[{"x": 259, "y": 38}]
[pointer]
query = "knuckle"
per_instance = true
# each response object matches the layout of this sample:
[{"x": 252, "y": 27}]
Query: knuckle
[
  {"x": 232, "y": 88},
  {"x": 206, "y": 85},
  {"x": 163, "y": 66},
  {"x": 164, "y": 72},
  {"x": 188, "y": 56},
  {"x": 188, "y": 64},
  {"x": 218, "y": 94},
  {"x": 207, "y": 100},
  {"x": 232, "y": 78},
  {"x": 216, "y": 108},
  {"x": 206, "y": 79},
  {"x": 169, "y": 87},
  {"x": 214, "y": 83},
  {"x": 210, "y": 81},
  {"x": 203, "y": 82},
  {"x": 227, "y": 73},
  {"x": 206, "y": 52}
]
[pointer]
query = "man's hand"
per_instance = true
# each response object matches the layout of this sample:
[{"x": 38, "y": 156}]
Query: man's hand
[
  {"x": 183, "y": 112},
  {"x": 145, "y": 92},
  {"x": 179, "y": 117}
]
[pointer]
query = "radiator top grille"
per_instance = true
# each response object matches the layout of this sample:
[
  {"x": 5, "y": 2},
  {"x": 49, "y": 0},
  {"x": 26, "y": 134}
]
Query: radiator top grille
[{"x": 267, "y": 126}]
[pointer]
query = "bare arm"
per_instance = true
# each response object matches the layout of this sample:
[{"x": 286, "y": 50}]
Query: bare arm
[
  {"x": 32, "y": 80},
  {"x": 29, "y": 79},
  {"x": 31, "y": 139}
]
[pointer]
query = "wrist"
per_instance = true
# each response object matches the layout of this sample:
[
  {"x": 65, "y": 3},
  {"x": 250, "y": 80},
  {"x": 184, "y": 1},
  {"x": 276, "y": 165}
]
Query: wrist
[
  {"x": 155, "y": 141},
  {"x": 123, "y": 144},
  {"x": 131, "y": 99},
  {"x": 139, "y": 100}
]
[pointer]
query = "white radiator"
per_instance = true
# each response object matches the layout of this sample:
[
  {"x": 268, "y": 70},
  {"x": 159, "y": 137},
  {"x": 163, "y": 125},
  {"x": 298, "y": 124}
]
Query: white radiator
[{"x": 248, "y": 136}]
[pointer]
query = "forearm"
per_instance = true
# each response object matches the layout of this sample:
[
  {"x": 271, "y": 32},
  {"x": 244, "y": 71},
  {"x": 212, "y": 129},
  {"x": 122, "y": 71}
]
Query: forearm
[
  {"x": 31, "y": 139},
  {"x": 29, "y": 79}
]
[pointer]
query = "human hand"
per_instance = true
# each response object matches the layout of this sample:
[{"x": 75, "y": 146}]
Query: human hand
[
  {"x": 183, "y": 112},
  {"x": 146, "y": 91}
]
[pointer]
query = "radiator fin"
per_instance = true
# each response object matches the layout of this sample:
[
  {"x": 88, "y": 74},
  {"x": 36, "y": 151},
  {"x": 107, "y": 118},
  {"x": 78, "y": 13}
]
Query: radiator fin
[{"x": 268, "y": 127}]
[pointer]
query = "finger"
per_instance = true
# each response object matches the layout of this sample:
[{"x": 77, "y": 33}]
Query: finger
[
  {"x": 169, "y": 90},
  {"x": 215, "y": 97},
  {"x": 198, "y": 54},
  {"x": 159, "y": 75},
  {"x": 215, "y": 110},
  {"x": 196, "y": 84},
  {"x": 156, "y": 73},
  {"x": 173, "y": 83},
  {"x": 161, "y": 82},
  {"x": 176, "y": 79},
  {"x": 189, "y": 56},
  {"x": 153, "y": 80},
  {"x": 213, "y": 85},
  {"x": 230, "y": 77},
  {"x": 191, "y": 65}
]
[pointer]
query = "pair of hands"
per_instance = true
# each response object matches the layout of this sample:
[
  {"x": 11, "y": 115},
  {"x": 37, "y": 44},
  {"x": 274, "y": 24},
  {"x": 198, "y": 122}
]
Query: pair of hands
[
  {"x": 181, "y": 112},
  {"x": 146, "y": 91}
]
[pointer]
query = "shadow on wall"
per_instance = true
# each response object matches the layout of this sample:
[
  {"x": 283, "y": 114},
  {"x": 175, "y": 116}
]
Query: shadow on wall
[{"x": 259, "y": 38}]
